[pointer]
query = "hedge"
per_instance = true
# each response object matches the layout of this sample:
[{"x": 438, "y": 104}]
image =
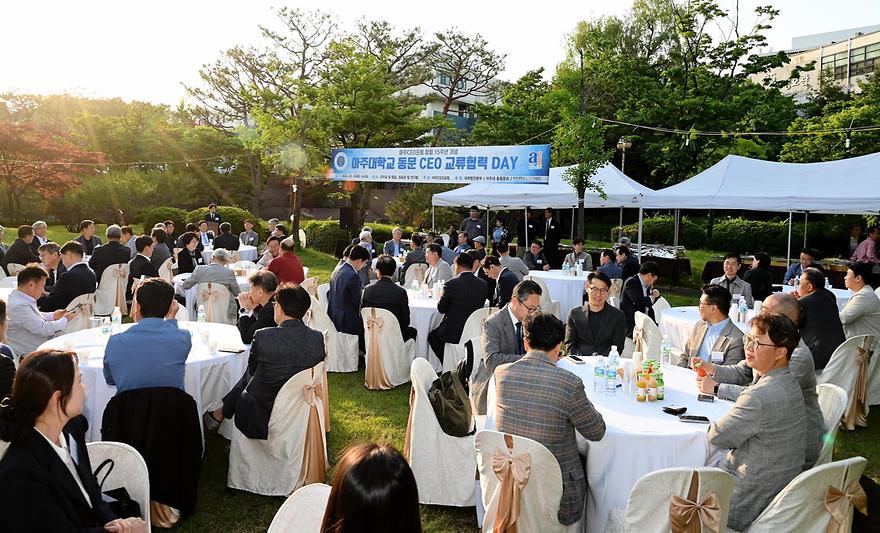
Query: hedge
[
  {"x": 660, "y": 230},
  {"x": 233, "y": 215},
  {"x": 323, "y": 234},
  {"x": 151, "y": 217}
]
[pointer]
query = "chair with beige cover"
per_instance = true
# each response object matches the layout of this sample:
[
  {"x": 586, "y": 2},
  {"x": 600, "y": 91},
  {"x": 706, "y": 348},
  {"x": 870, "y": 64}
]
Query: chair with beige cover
[
  {"x": 129, "y": 471},
  {"x": 832, "y": 403},
  {"x": 111, "y": 290},
  {"x": 616, "y": 287},
  {"x": 84, "y": 305},
  {"x": 415, "y": 271},
  {"x": 215, "y": 297},
  {"x": 806, "y": 504},
  {"x": 473, "y": 327},
  {"x": 311, "y": 286},
  {"x": 516, "y": 469},
  {"x": 443, "y": 465},
  {"x": 166, "y": 271},
  {"x": 548, "y": 305},
  {"x": 295, "y": 452},
  {"x": 234, "y": 256},
  {"x": 9, "y": 282},
  {"x": 628, "y": 348},
  {"x": 303, "y": 511},
  {"x": 670, "y": 500},
  {"x": 848, "y": 369},
  {"x": 342, "y": 348},
  {"x": 614, "y": 301},
  {"x": 14, "y": 268},
  {"x": 646, "y": 336},
  {"x": 873, "y": 392},
  {"x": 388, "y": 358}
]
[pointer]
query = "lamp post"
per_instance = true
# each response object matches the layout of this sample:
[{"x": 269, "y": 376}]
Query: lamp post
[{"x": 622, "y": 145}]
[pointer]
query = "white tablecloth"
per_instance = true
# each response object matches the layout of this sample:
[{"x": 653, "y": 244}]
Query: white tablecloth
[
  {"x": 842, "y": 295},
  {"x": 678, "y": 323},
  {"x": 639, "y": 437},
  {"x": 245, "y": 251},
  {"x": 566, "y": 289},
  {"x": 423, "y": 316},
  {"x": 209, "y": 376},
  {"x": 190, "y": 294}
]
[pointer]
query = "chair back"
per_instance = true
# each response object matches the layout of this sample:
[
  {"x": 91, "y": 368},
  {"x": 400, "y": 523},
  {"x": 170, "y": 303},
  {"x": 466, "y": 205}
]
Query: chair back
[
  {"x": 616, "y": 287},
  {"x": 342, "y": 353},
  {"x": 129, "y": 471},
  {"x": 311, "y": 286},
  {"x": 832, "y": 403},
  {"x": 657, "y": 498},
  {"x": 877, "y": 292},
  {"x": 548, "y": 304},
  {"x": 14, "y": 268},
  {"x": 473, "y": 327},
  {"x": 166, "y": 272},
  {"x": 111, "y": 290},
  {"x": 80, "y": 319},
  {"x": 538, "y": 500},
  {"x": 387, "y": 364},
  {"x": 848, "y": 369},
  {"x": 9, "y": 282},
  {"x": 323, "y": 292},
  {"x": 234, "y": 256},
  {"x": 415, "y": 271},
  {"x": 659, "y": 306},
  {"x": 302, "y": 511},
  {"x": 245, "y": 266},
  {"x": 215, "y": 297},
  {"x": 302, "y": 238},
  {"x": 614, "y": 301},
  {"x": 646, "y": 336},
  {"x": 628, "y": 348},
  {"x": 182, "y": 314},
  {"x": 801, "y": 506},
  {"x": 445, "y": 237}
]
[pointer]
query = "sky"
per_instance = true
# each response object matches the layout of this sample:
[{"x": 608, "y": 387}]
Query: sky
[{"x": 147, "y": 50}]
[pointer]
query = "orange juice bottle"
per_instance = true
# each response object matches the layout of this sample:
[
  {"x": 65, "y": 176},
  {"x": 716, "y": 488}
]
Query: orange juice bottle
[
  {"x": 651, "y": 392},
  {"x": 698, "y": 368},
  {"x": 641, "y": 389}
]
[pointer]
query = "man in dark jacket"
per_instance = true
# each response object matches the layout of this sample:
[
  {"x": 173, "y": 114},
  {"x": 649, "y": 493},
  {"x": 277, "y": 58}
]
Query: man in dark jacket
[
  {"x": 20, "y": 252},
  {"x": 639, "y": 294},
  {"x": 505, "y": 281},
  {"x": 385, "y": 294},
  {"x": 226, "y": 239},
  {"x": 462, "y": 295},
  {"x": 416, "y": 254},
  {"x": 597, "y": 326},
  {"x": 257, "y": 305},
  {"x": 820, "y": 325},
  {"x": 141, "y": 266},
  {"x": 112, "y": 253},
  {"x": 344, "y": 297},
  {"x": 552, "y": 237},
  {"x": 628, "y": 263},
  {"x": 87, "y": 237},
  {"x": 76, "y": 281}
]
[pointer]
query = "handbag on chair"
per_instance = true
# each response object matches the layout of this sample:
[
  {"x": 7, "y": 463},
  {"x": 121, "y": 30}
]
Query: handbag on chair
[
  {"x": 118, "y": 499},
  {"x": 449, "y": 398}
]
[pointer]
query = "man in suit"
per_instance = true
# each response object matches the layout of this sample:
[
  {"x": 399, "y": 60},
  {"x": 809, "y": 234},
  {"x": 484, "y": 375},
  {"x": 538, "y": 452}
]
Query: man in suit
[
  {"x": 415, "y": 255},
  {"x": 728, "y": 382},
  {"x": 20, "y": 250},
  {"x": 765, "y": 429},
  {"x": 462, "y": 245},
  {"x": 438, "y": 270},
  {"x": 608, "y": 265},
  {"x": 153, "y": 352},
  {"x": 597, "y": 326},
  {"x": 445, "y": 252},
  {"x": 628, "y": 263},
  {"x": 461, "y": 296},
  {"x": 226, "y": 239},
  {"x": 344, "y": 297},
  {"x": 128, "y": 238},
  {"x": 50, "y": 260},
  {"x": 216, "y": 272},
  {"x": 273, "y": 250},
  {"x": 502, "y": 338},
  {"x": 505, "y": 281},
  {"x": 537, "y": 400},
  {"x": 731, "y": 280},
  {"x": 206, "y": 238},
  {"x": 257, "y": 310},
  {"x": 395, "y": 246},
  {"x": 271, "y": 364},
  {"x": 820, "y": 325},
  {"x": 87, "y": 237},
  {"x": 639, "y": 294},
  {"x": 385, "y": 294},
  {"x": 249, "y": 236},
  {"x": 287, "y": 267},
  {"x": 212, "y": 215},
  {"x": 715, "y": 332},
  {"x": 79, "y": 279},
  {"x": 535, "y": 259},
  {"x": 861, "y": 316},
  {"x": 28, "y": 326},
  {"x": 171, "y": 238},
  {"x": 112, "y": 253},
  {"x": 514, "y": 264},
  {"x": 161, "y": 251},
  {"x": 40, "y": 229},
  {"x": 805, "y": 259},
  {"x": 552, "y": 237},
  {"x": 140, "y": 267}
]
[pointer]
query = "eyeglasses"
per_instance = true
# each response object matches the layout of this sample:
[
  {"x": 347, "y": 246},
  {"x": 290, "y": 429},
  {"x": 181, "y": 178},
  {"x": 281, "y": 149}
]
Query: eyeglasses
[
  {"x": 751, "y": 343},
  {"x": 531, "y": 310},
  {"x": 706, "y": 304},
  {"x": 597, "y": 289}
]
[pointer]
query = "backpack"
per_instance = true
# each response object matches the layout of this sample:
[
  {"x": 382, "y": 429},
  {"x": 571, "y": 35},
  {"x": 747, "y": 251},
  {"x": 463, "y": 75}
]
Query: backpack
[{"x": 450, "y": 399}]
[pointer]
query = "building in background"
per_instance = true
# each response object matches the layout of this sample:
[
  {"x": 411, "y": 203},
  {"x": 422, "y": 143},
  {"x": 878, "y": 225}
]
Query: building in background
[{"x": 460, "y": 113}]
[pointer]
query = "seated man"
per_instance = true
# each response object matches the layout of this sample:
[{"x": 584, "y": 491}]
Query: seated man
[
  {"x": 395, "y": 246},
  {"x": 128, "y": 239},
  {"x": 217, "y": 273},
  {"x": 639, "y": 294},
  {"x": 765, "y": 429},
  {"x": 287, "y": 267},
  {"x": 273, "y": 250},
  {"x": 728, "y": 382},
  {"x": 28, "y": 326},
  {"x": 140, "y": 268},
  {"x": 344, "y": 297},
  {"x": 805, "y": 259},
  {"x": 438, "y": 270},
  {"x": 628, "y": 263},
  {"x": 87, "y": 237},
  {"x": 416, "y": 254},
  {"x": 161, "y": 251},
  {"x": 271, "y": 364},
  {"x": 256, "y": 304},
  {"x": 461, "y": 296},
  {"x": 715, "y": 332},
  {"x": 19, "y": 251},
  {"x": 514, "y": 264},
  {"x": 537, "y": 400},
  {"x": 226, "y": 239},
  {"x": 445, "y": 251},
  {"x": 152, "y": 352},
  {"x": 505, "y": 281},
  {"x": 385, "y": 294},
  {"x": 50, "y": 260},
  {"x": 608, "y": 266},
  {"x": 597, "y": 326},
  {"x": 462, "y": 245},
  {"x": 78, "y": 279},
  {"x": 249, "y": 236},
  {"x": 731, "y": 280},
  {"x": 866, "y": 251},
  {"x": 820, "y": 325},
  {"x": 480, "y": 246},
  {"x": 578, "y": 255},
  {"x": 861, "y": 316},
  {"x": 535, "y": 259},
  {"x": 206, "y": 238},
  {"x": 112, "y": 253}
]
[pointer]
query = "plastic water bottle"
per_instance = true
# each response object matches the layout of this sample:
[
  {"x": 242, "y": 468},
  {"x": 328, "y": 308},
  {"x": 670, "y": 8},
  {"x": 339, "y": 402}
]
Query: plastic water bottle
[
  {"x": 566, "y": 268},
  {"x": 116, "y": 319},
  {"x": 827, "y": 283},
  {"x": 202, "y": 317},
  {"x": 743, "y": 310},
  {"x": 578, "y": 268},
  {"x": 611, "y": 372},
  {"x": 599, "y": 377},
  {"x": 665, "y": 352}
]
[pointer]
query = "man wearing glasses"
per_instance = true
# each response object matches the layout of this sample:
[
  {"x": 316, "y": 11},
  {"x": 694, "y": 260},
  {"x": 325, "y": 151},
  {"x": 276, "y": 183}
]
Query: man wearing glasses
[
  {"x": 731, "y": 280},
  {"x": 503, "y": 337},
  {"x": 594, "y": 328},
  {"x": 715, "y": 337}
]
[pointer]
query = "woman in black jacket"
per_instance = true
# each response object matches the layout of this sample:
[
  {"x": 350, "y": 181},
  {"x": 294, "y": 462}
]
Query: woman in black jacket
[
  {"x": 189, "y": 256},
  {"x": 759, "y": 277},
  {"x": 46, "y": 480}
]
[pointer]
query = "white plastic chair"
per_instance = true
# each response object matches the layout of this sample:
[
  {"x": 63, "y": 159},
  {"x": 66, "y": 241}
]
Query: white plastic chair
[
  {"x": 650, "y": 334},
  {"x": 443, "y": 465},
  {"x": 473, "y": 327},
  {"x": 832, "y": 403},
  {"x": 9, "y": 282},
  {"x": 388, "y": 357},
  {"x": 548, "y": 305},
  {"x": 415, "y": 271},
  {"x": 280, "y": 464},
  {"x": 80, "y": 319},
  {"x": 14, "y": 268},
  {"x": 647, "y": 510},
  {"x": 800, "y": 506},
  {"x": 303, "y": 511},
  {"x": 539, "y": 502},
  {"x": 166, "y": 272},
  {"x": 129, "y": 471},
  {"x": 842, "y": 369},
  {"x": 342, "y": 348},
  {"x": 111, "y": 290},
  {"x": 215, "y": 297},
  {"x": 660, "y": 305}
]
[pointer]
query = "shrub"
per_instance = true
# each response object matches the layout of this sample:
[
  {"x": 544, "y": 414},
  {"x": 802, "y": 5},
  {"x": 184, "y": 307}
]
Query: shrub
[
  {"x": 153, "y": 216},
  {"x": 660, "y": 230},
  {"x": 750, "y": 236},
  {"x": 234, "y": 215},
  {"x": 322, "y": 235},
  {"x": 382, "y": 232}
]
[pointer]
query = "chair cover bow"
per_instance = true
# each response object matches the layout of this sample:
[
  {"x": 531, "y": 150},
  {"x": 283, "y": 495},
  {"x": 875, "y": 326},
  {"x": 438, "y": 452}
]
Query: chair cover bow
[
  {"x": 121, "y": 280},
  {"x": 315, "y": 465},
  {"x": 210, "y": 297},
  {"x": 689, "y": 515},
  {"x": 639, "y": 342},
  {"x": 839, "y": 504},
  {"x": 856, "y": 411},
  {"x": 375, "y": 377},
  {"x": 513, "y": 473}
]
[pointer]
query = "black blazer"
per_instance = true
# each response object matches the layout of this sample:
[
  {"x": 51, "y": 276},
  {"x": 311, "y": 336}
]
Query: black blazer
[
  {"x": 552, "y": 234},
  {"x": 461, "y": 297},
  {"x": 77, "y": 281},
  {"x": 38, "y": 492},
  {"x": 89, "y": 245},
  {"x": 507, "y": 280},
  {"x": 20, "y": 253},
  {"x": 226, "y": 240},
  {"x": 413, "y": 257},
  {"x": 262, "y": 318},
  {"x": 112, "y": 253},
  {"x": 137, "y": 267},
  {"x": 610, "y": 331},
  {"x": 385, "y": 294},
  {"x": 188, "y": 261},
  {"x": 55, "y": 276},
  {"x": 820, "y": 325},
  {"x": 344, "y": 300},
  {"x": 7, "y": 371},
  {"x": 761, "y": 281},
  {"x": 271, "y": 364},
  {"x": 630, "y": 268},
  {"x": 212, "y": 217},
  {"x": 633, "y": 299}
]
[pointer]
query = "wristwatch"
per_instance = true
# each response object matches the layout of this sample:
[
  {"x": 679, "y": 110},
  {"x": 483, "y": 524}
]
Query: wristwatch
[{"x": 715, "y": 389}]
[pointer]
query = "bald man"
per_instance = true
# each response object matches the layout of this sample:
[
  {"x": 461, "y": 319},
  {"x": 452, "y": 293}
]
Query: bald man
[{"x": 728, "y": 382}]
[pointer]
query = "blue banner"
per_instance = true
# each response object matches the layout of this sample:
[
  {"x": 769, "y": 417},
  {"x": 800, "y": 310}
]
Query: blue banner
[{"x": 468, "y": 164}]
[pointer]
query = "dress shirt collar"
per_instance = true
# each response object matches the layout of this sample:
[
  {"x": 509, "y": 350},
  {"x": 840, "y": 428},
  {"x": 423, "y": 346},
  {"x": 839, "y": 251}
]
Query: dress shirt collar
[
  {"x": 27, "y": 297},
  {"x": 142, "y": 255},
  {"x": 512, "y": 316},
  {"x": 717, "y": 327},
  {"x": 71, "y": 267},
  {"x": 643, "y": 284}
]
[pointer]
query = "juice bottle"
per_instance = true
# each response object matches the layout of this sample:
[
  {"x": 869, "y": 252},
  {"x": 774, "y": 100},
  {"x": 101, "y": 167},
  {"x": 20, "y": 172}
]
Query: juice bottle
[
  {"x": 698, "y": 367},
  {"x": 641, "y": 388},
  {"x": 661, "y": 387},
  {"x": 651, "y": 392}
]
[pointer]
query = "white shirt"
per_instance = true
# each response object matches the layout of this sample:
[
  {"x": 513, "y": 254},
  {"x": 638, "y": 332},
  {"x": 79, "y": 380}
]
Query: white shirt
[
  {"x": 512, "y": 316},
  {"x": 66, "y": 458}
]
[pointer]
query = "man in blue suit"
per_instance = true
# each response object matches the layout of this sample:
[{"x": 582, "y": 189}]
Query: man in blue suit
[
  {"x": 344, "y": 297},
  {"x": 78, "y": 279},
  {"x": 153, "y": 352}
]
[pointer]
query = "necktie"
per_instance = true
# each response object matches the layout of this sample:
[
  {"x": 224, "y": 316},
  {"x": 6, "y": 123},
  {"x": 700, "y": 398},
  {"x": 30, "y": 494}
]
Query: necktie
[{"x": 519, "y": 339}]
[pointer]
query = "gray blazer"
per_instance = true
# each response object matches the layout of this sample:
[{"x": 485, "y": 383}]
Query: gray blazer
[
  {"x": 737, "y": 286},
  {"x": 439, "y": 272},
  {"x": 160, "y": 255},
  {"x": 515, "y": 265},
  {"x": 861, "y": 316},
  {"x": 730, "y": 341},
  {"x": 765, "y": 436},
  {"x": 499, "y": 347},
  {"x": 215, "y": 273}
]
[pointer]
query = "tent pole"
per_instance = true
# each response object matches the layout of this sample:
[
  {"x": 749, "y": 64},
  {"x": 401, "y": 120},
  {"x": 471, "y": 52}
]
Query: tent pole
[
  {"x": 806, "y": 218},
  {"x": 488, "y": 233},
  {"x": 675, "y": 235},
  {"x": 641, "y": 214},
  {"x": 620, "y": 225},
  {"x": 433, "y": 229},
  {"x": 788, "y": 253},
  {"x": 526, "y": 229},
  {"x": 572, "y": 223}
]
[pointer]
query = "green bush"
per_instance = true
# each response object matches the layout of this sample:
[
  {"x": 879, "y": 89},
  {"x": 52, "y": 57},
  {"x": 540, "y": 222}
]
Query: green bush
[
  {"x": 750, "y": 236},
  {"x": 151, "y": 217},
  {"x": 322, "y": 235},
  {"x": 233, "y": 215},
  {"x": 660, "y": 230},
  {"x": 382, "y": 232}
]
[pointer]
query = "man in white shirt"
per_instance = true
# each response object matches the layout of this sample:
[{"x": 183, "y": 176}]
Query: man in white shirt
[
  {"x": 28, "y": 327},
  {"x": 731, "y": 280},
  {"x": 715, "y": 333}
]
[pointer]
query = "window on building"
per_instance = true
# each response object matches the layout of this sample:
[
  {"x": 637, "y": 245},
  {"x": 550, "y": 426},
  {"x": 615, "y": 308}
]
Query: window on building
[{"x": 445, "y": 80}]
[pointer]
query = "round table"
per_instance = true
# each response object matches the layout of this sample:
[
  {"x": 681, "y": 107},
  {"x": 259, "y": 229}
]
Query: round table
[
  {"x": 842, "y": 295},
  {"x": 566, "y": 289},
  {"x": 190, "y": 294},
  {"x": 424, "y": 317},
  {"x": 209, "y": 376},
  {"x": 245, "y": 251},
  {"x": 678, "y": 323},
  {"x": 639, "y": 437}
]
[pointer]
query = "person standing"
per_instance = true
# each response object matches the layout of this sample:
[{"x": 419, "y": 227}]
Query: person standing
[
  {"x": 552, "y": 237},
  {"x": 212, "y": 215},
  {"x": 499, "y": 234},
  {"x": 87, "y": 237},
  {"x": 344, "y": 297},
  {"x": 526, "y": 231},
  {"x": 866, "y": 251},
  {"x": 597, "y": 326},
  {"x": 639, "y": 294},
  {"x": 472, "y": 226}
]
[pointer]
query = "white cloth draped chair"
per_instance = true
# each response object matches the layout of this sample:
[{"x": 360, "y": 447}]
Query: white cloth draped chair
[
  {"x": 521, "y": 483},
  {"x": 302, "y": 238},
  {"x": 848, "y": 369},
  {"x": 443, "y": 465},
  {"x": 311, "y": 286},
  {"x": 628, "y": 348},
  {"x": 215, "y": 297},
  {"x": 166, "y": 271},
  {"x": 323, "y": 291},
  {"x": 473, "y": 327},
  {"x": 415, "y": 271},
  {"x": 388, "y": 358},
  {"x": 295, "y": 454},
  {"x": 660, "y": 305},
  {"x": 873, "y": 391},
  {"x": 676, "y": 499},
  {"x": 234, "y": 256},
  {"x": 832, "y": 403},
  {"x": 129, "y": 471},
  {"x": 14, "y": 268},
  {"x": 80, "y": 319},
  {"x": 815, "y": 498},
  {"x": 614, "y": 301},
  {"x": 342, "y": 348},
  {"x": 614, "y": 290},
  {"x": 9, "y": 282},
  {"x": 646, "y": 336},
  {"x": 111, "y": 290},
  {"x": 548, "y": 304},
  {"x": 303, "y": 511},
  {"x": 244, "y": 266}
]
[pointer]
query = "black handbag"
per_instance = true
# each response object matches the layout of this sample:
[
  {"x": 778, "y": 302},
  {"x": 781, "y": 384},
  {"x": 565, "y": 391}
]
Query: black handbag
[
  {"x": 449, "y": 398},
  {"x": 118, "y": 499}
]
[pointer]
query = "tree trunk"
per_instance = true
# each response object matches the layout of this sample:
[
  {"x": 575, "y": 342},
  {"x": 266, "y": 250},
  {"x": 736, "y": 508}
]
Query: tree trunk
[
  {"x": 14, "y": 205},
  {"x": 297, "y": 210},
  {"x": 579, "y": 230},
  {"x": 256, "y": 172}
]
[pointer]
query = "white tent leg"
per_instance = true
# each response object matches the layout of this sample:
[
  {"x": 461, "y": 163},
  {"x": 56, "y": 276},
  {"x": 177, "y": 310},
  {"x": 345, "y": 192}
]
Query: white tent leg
[
  {"x": 620, "y": 225},
  {"x": 675, "y": 231},
  {"x": 488, "y": 233},
  {"x": 641, "y": 216},
  {"x": 573, "y": 215},
  {"x": 806, "y": 219},
  {"x": 526, "y": 230},
  {"x": 788, "y": 253},
  {"x": 433, "y": 229}
]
